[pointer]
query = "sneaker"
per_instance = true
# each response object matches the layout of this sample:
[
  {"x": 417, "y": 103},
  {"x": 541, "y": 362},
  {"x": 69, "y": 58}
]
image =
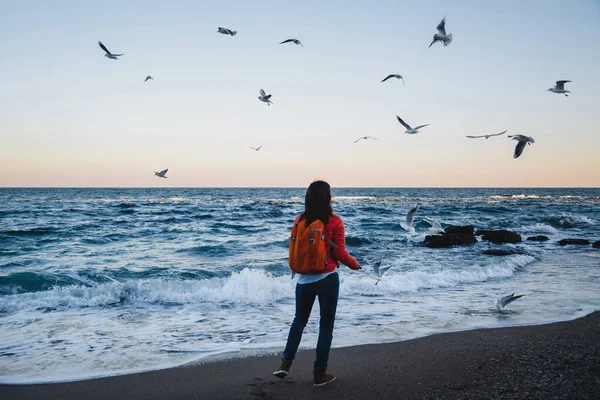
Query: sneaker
[
  {"x": 322, "y": 378},
  {"x": 284, "y": 369}
]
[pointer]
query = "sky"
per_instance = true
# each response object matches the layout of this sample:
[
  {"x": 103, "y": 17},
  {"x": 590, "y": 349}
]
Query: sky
[{"x": 71, "y": 117}]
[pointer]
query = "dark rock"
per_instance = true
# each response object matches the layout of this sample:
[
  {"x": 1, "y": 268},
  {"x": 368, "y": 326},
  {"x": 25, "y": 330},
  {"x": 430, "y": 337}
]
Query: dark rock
[
  {"x": 565, "y": 242},
  {"x": 460, "y": 230},
  {"x": 501, "y": 236},
  {"x": 596, "y": 244},
  {"x": 539, "y": 238},
  {"x": 448, "y": 240},
  {"x": 499, "y": 252}
]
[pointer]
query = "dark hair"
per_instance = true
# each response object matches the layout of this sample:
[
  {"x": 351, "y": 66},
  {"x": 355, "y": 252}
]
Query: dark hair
[{"x": 317, "y": 203}]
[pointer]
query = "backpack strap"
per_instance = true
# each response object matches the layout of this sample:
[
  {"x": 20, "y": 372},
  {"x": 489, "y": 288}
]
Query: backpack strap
[{"x": 333, "y": 247}]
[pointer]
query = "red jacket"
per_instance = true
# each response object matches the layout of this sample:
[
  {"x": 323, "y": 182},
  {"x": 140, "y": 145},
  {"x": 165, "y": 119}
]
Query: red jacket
[{"x": 334, "y": 230}]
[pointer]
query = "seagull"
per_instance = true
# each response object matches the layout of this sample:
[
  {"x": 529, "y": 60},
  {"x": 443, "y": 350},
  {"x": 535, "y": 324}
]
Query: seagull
[
  {"x": 265, "y": 97},
  {"x": 436, "y": 227},
  {"x": 523, "y": 140},
  {"x": 295, "y": 41},
  {"x": 409, "y": 130},
  {"x": 256, "y": 148},
  {"x": 108, "y": 53},
  {"x": 365, "y": 137},
  {"x": 408, "y": 225},
  {"x": 148, "y": 78},
  {"x": 397, "y": 76},
  {"x": 441, "y": 35},
  {"x": 226, "y": 31},
  {"x": 560, "y": 88},
  {"x": 379, "y": 270},
  {"x": 162, "y": 173},
  {"x": 505, "y": 300},
  {"x": 486, "y": 136}
]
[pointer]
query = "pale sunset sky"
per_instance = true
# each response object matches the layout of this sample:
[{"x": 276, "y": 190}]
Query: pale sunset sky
[{"x": 74, "y": 118}]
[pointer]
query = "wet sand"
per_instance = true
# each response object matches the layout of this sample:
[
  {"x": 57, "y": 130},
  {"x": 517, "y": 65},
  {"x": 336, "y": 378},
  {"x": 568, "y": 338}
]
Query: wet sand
[{"x": 554, "y": 361}]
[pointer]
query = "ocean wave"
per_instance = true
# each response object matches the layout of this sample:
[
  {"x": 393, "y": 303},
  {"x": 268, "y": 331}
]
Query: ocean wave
[
  {"x": 520, "y": 196},
  {"x": 247, "y": 287},
  {"x": 565, "y": 220},
  {"x": 418, "y": 280},
  {"x": 21, "y": 282},
  {"x": 540, "y": 228},
  {"x": 30, "y": 232},
  {"x": 212, "y": 250}
]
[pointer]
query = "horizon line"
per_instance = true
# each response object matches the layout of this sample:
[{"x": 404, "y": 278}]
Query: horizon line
[{"x": 297, "y": 187}]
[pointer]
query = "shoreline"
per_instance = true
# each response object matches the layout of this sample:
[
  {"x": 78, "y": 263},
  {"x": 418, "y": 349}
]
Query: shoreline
[{"x": 556, "y": 360}]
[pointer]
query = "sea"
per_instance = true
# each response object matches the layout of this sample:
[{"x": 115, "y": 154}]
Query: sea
[{"x": 99, "y": 282}]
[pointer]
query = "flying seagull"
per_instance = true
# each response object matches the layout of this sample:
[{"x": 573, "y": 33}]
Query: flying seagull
[
  {"x": 436, "y": 227},
  {"x": 410, "y": 216},
  {"x": 365, "y": 137},
  {"x": 379, "y": 270},
  {"x": 265, "y": 97},
  {"x": 295, "y": 41},
  {"x": 441, "y": 35},
  {"x": 162, "y": 174},
  {"x": 148, "y": 78},
  {"x": 505, "y": 300},
  {"x": 226, "y": 31},
  {"x": 559, "y": 88},
  {"x": 409, "y": 130},
  {"x": 523, "y": 140},
  {"x": 397, "y": 76},
  {"x": 256, "y": 148},
  {"x": 108, "y": 53},
  {"x": 487, "y": 136}
]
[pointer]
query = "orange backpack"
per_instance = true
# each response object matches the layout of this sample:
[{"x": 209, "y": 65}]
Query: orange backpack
[{"x": 308, "y": 254}]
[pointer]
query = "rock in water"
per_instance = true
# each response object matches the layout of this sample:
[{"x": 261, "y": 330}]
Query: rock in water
[
  {"x": 499, "y": 252},
  {"x": 500, "y": 236},
  {"x": 539, "y": 238},
  {"x": 596, "y": 244},
  {"x": 460, "y": 230},
  {"x": 565, "y": 242},
  {"x": 449, "y": 240}
]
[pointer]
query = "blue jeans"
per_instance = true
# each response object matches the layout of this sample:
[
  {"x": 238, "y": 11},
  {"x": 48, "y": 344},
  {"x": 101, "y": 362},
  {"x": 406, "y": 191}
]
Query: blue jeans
[{"x": 327, "y": 290}]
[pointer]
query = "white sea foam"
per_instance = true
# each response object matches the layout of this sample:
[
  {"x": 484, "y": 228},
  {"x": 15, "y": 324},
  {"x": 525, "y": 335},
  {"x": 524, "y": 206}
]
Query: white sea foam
[
  {"x": 539, "y": 228},
  {"x": 567, "y": 220},
  {"x": 247, "y": 287},
  {"x": 395, "y": 283}
]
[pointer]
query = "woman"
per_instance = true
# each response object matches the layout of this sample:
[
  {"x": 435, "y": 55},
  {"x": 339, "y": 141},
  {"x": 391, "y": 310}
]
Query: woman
[{"x": 325, "y": 285}]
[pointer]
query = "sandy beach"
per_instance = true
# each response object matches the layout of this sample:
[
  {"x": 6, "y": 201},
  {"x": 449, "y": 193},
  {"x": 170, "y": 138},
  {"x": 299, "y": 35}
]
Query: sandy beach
[{"x": 554, "y": 361}]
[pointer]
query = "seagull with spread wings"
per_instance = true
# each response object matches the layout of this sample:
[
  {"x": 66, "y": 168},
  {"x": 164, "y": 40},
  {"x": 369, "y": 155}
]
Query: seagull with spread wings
[
  {"x": 397, "y": 76},
  {"x": 108, "y": 53},
  {"x": 162, "y": 174},
  {"x": 409, "y": 130},
  {"x": 148, "y": 78},
  {"x": 226, "y": 31},
  {"x": 441, "y": 35},
  {"x": 265, "y": 97},
  {"x": 365, "y": 138},
  {"x": 436, "y": 227},
  {"x": 523, "y": 140},
  {"x": 410, "y": 217},
  {"x": 505, "y": 300},
  {"x": 379, "y": 270},
  {"x": 560, "y": 88},
  {"x": 486, "y": 136},
  {"x": 295, "y": 41},
  {"x": 256, "y": 148}
]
